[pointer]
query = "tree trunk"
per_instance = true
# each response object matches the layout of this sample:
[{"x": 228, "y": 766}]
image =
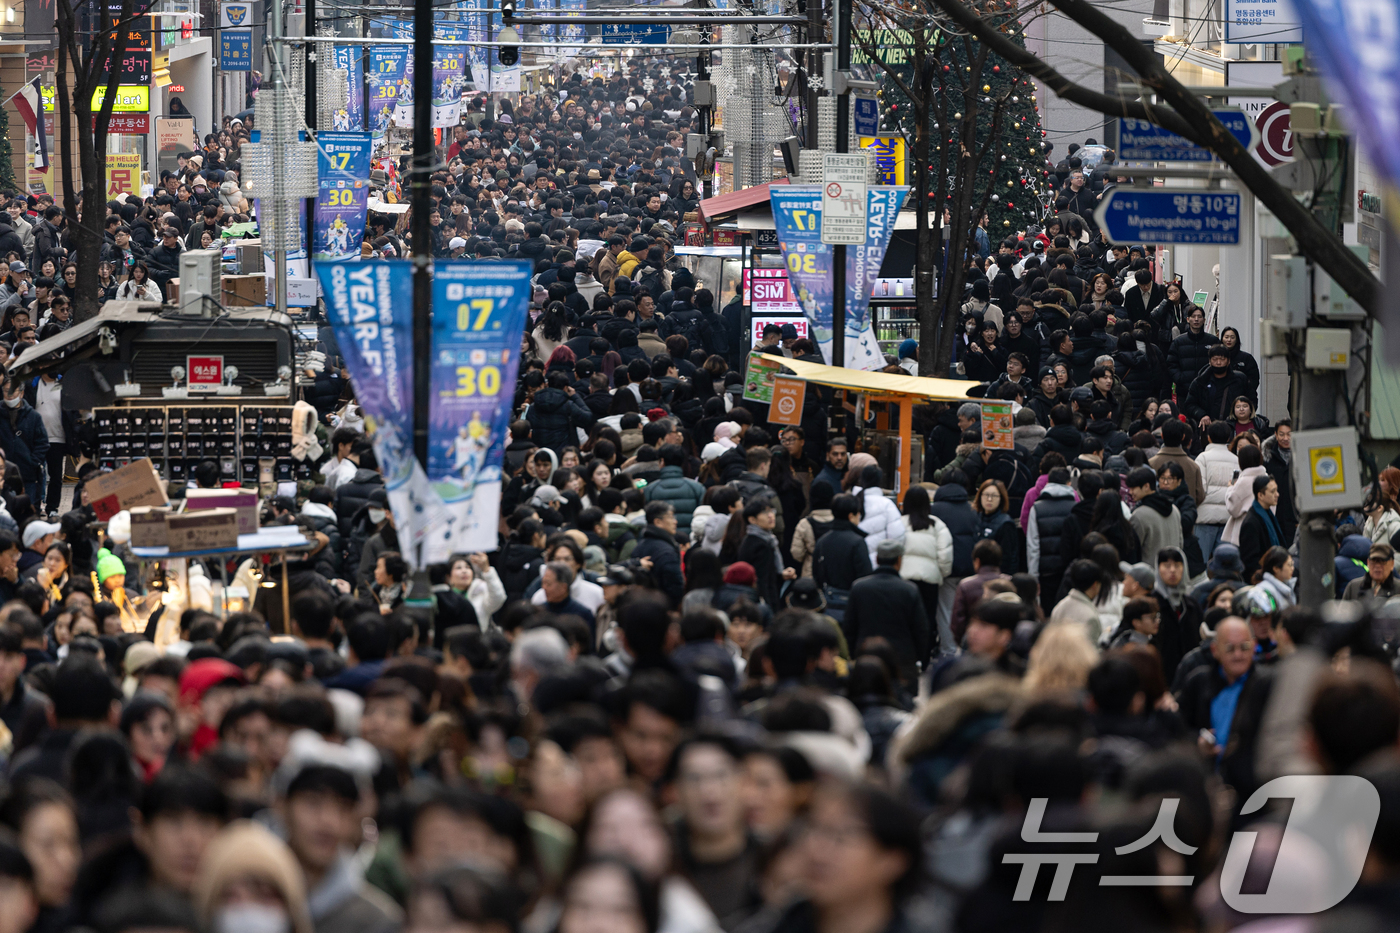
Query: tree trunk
[{"x": 925, "y": 252}]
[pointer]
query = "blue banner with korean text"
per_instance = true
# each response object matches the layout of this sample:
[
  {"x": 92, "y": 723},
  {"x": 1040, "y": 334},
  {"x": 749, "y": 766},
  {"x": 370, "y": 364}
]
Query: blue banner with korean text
[
  {"x": 370, "y": 306},
  {"x": 797, "y": 214},
  {"x": 449, "y": 74},
  {"x": 343, "y": 204},
  {"x": 352, "y": 116},
  {"x": 388, "y": 66},
  {"x": 479, "y": 313}
]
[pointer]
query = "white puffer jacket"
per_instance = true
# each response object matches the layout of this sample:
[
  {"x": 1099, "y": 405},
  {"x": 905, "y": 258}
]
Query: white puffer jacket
[
  {"x": 1218, "y": 467},
  {"x": 928, "y": 554},
  {"x": 882, "y": 519}
]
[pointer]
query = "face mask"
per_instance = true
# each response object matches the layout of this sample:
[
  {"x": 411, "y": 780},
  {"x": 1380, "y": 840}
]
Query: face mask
[
  {"x": 13, "y": 402},
  {"x": 376, "y": 515},
  {"x": 252, "y": 918}
]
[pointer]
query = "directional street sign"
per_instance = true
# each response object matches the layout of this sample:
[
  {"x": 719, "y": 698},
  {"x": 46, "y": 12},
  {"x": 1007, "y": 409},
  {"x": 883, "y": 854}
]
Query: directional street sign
[
  {"x": 1170, "y": 215},
  {"x": 865, "y": 114},
  {"x": 1140, "y": 141},
  {"x": 844, "y": 179}
]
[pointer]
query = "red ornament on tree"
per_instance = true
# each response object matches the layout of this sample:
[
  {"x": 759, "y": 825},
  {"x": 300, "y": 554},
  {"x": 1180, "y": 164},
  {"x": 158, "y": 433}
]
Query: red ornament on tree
[{"x": 996, "y": 69}]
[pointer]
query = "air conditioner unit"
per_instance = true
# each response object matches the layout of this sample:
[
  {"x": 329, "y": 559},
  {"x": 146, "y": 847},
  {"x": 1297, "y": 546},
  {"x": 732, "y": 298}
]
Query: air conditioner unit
[{"x": 200, "y": 278}]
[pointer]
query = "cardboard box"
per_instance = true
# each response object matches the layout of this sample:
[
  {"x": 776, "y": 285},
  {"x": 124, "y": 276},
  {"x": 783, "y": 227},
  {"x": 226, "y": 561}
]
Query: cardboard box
[
  {"x": 148, "y": 526},
  {"x": 245, "y": 502},
  {"x": 135, "y": 484},
  {"x": 204, "y": 530},
  {"x": 244, "y": 290}
]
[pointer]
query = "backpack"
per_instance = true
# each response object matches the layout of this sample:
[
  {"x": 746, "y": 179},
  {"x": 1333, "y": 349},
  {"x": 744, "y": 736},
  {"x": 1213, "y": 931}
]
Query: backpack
[
  {"x": 688, "y": 326},
  {"x": 650, "y": 279}
]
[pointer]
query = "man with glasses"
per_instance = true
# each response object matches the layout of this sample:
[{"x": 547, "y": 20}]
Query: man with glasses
[
  {"x": 1379, "y": 583},
  {"x": 1224, "y": 702}
]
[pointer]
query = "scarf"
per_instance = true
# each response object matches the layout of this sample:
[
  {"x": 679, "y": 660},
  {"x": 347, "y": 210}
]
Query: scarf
[
  {"x": 1270, "y": 524},
  {"x": 1174, "y": 595},
  {"x": 771, "y": 540}
]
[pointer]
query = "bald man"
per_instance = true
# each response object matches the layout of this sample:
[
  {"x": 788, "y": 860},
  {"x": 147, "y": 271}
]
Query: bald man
[{"x": 1224, "y": 703}]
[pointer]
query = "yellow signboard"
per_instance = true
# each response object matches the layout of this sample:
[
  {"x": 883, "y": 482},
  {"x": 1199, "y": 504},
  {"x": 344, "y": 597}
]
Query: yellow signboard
[
  {"x": 131, "y": 98},
  {"x": 36, "y": 181},
  {"x": 1327, "y": 473},
  {"x": 891, "y": 158},
  {"x": 123, "y": 173}
]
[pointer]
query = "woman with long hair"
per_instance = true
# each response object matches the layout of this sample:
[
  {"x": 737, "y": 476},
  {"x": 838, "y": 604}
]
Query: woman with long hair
[
  {"x": 551, "y": 330},
  {"x": 1109, "y": 521},
  {"x": 596, "y": 477},
  {"x": 139, "y": 287},
  {"x": 928, "y": 548},
  {"x": 1239, "y": 359},
  {"x": 1099, "y": 287}
]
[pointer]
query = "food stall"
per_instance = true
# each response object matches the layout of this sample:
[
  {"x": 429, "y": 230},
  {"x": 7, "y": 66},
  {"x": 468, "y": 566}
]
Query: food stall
[{"x": 905, "y": 391}]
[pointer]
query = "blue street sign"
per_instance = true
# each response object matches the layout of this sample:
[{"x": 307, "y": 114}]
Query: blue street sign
[
  {"x": 1170, "y": 215},
  {"x": 1140, "y": 141},
  {"x": 235, "y": 50},
  {"x": 636, "y": 34},
  {"x": 865, "y": 114}
]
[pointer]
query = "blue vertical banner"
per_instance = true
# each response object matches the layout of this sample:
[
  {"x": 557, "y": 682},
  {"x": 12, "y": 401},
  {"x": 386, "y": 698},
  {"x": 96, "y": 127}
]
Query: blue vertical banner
[
  {"x": 387, "y": 66},
  {"x": 475, "y": 13},
  {"x": 573, "y": 35},
  {"x": 797, "y": 215},
  {"x": 479, "y": 313},
  {"x": 343, "y": 203},
  {"x": 352, "y": 59},
  {"x": 449, "y": 67},
  {"x": 403, "y": 95},
  {"x": 370, "y": 306},
  {"x": 1356, "y": 43},
  {"x": 797, "y": 212},
  {"x": 863, "y": 267}
]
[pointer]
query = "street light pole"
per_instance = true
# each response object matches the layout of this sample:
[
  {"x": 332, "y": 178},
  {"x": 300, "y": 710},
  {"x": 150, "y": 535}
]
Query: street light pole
[
  {"x": 843, "y": 145},
  {"x": 422, "y": 204}
]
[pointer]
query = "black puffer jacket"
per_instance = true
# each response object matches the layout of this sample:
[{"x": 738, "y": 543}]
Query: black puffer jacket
[
  {"x": 327, "y": 561},
  {"x": 519, "y": 564},
  {"x": 553, "y": 417},
  {"x": 1114, "y": 440},
  {"x": 1136, "y": 371},
  {"x": 1063, "y": 439},
  {"x": 351, "y": 497},
  {"x": 1188, "y": 355},
  {"x": 951, "y": 506},
  {"x": 1214, "y": 396}
]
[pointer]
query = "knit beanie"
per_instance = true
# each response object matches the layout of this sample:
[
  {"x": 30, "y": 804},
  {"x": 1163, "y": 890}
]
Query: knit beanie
[{"x": 109, "y": 564}]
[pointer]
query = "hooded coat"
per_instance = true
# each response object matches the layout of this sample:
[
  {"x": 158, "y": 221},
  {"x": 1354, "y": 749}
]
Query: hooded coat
[
  {"x": 1157, "y": 522},
  {"x": 554, "y": 415}
]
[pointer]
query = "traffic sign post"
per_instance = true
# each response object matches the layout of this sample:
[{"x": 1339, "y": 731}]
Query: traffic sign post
[
  {"x": 1141, "y": 141},
  {"x": 1170, "y": 215},
  {"x": 844, "y": 180}
]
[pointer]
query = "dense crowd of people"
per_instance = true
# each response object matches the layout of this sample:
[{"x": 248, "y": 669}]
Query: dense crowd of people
[{"x": 715, "y": 675}]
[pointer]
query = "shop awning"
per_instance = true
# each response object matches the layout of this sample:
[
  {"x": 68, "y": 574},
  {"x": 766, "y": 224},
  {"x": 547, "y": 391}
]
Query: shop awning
[
  {"x": 735, "y": 201},
  {"x": 948, "y": 390}
]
